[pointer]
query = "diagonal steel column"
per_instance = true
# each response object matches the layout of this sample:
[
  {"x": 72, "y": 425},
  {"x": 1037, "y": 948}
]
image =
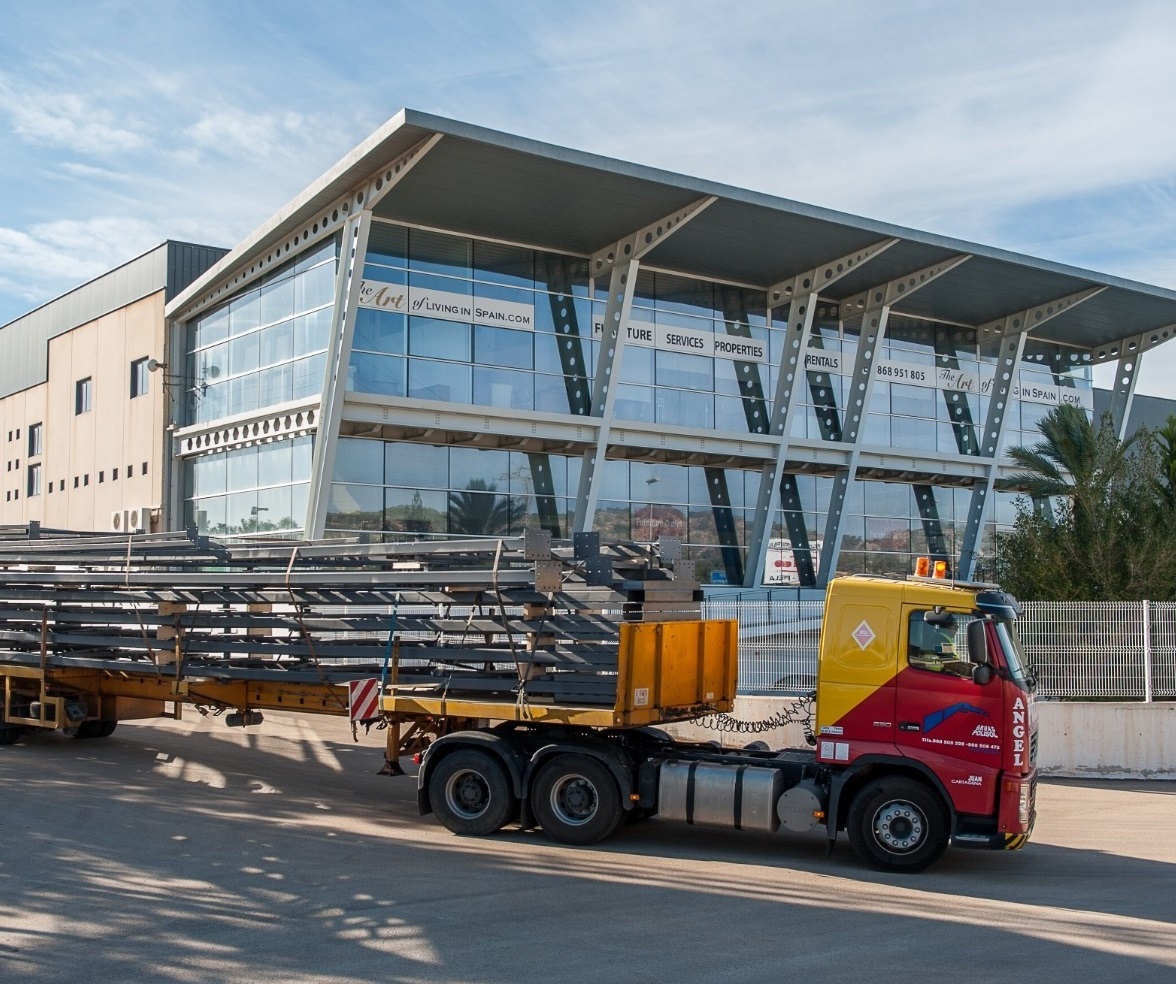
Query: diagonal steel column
[
  {"x": 751, "y": 387},
  {"x": 800, "y": 293},
  {"x": 612, "y": 343},
  {"x": 874, "y": 305},
  {"x": 567, "y": 329},
  {"x": 720, "y": 497},
  {"x": 962, "y": 425},
  {"x": 347, "y": 284},
  {"x": 1129, "y": 352},
  {"x": 543, "y": 486},
  {"x": 932, "y": 526},
  {"x": 347, "y": 287},
  {"x": 1011, "y": 331},
  {"x": 620, "y": 262},
  {"x": 793, "y": 510}
]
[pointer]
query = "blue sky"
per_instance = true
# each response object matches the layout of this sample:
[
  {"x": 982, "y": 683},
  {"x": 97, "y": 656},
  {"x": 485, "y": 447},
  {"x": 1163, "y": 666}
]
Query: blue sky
[{"x": 1042, "y": 127}]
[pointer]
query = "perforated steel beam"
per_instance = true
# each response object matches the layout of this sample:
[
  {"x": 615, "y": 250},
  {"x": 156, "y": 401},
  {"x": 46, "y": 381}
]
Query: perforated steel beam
[
  {"x": 622, "y": 280},
  {"x": 932, "y": 526},
  {"x": 636, "y": 245},
  {"x": 800, "y": 292},
  {"x": 347, "y": 283},
  {"x": 874, "y": 305},
  {"x": 1012, "y": 331},
  {"x": 1129, "y": 352},
  {"x": 720, "y": 497}
]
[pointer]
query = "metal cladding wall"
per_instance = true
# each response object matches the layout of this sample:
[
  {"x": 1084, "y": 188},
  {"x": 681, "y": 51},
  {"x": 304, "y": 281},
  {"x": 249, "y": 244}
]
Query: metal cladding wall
[{"x": 24, "y": 343}]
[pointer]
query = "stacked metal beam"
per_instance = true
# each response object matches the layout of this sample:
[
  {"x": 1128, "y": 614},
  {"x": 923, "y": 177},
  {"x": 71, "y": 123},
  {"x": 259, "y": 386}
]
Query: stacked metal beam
[{"x": 488, "y": 617}]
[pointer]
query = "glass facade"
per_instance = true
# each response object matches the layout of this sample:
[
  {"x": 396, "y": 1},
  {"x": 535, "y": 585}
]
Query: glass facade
[
  {"x": 259, "y": 489},
  {"x": 422, "y": 490},
  {"x": 449, "y": 319},
  {"x": 545, "y": 365},
  {"x": 263, "y": 348},
  {"x": 266, "y": 346},
  {"x": 456, "y": 320}
]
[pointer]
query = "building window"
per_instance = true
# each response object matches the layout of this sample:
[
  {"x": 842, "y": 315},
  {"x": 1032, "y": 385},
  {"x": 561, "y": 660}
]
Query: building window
[
  {"x": 114, "y": 474},
  {"x": 36, "y": 440},
  {"x": 34, "y": 480},
  {"x": 84, "y": 395},
  {"x": 140, "y": 377},
  {"x": 144, "y": 469}
]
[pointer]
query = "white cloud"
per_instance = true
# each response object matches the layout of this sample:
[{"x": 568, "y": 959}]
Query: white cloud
[
  {"x": 237, "y": 133},
  {"x": 51, "y": 258},
  {"x": 68, "y": 119}
]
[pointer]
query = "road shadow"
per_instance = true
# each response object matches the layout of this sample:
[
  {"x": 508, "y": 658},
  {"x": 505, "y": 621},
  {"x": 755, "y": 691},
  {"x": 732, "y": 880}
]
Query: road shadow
[{"x": 157, "y": 855}]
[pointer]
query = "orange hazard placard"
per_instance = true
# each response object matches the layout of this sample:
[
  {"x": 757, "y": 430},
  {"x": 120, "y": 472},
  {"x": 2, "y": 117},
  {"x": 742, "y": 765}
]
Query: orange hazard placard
[{"x": 363, "y": 699}]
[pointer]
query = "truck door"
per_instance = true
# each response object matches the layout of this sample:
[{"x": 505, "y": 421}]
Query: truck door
[{"x": 943, "y": 719}]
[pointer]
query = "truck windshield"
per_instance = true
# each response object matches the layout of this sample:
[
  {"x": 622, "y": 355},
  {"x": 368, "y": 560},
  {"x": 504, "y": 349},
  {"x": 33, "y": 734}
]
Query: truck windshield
[{"x": 1010, "y": 644}]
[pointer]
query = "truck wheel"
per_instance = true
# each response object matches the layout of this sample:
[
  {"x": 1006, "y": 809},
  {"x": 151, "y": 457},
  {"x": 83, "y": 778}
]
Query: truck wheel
[
  {"x": 897, "y": 824},
  {"x": 9, "y": 736},
  {"x": 576, "y": 800},
  {"x": 470, "y": 794}
]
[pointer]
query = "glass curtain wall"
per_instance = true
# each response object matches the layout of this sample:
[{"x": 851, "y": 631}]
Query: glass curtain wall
[
  {"x": 262, "y": 489},
  {"x": 456, "y": 320},
  {"x": 419, "y": 490},
  {"x": 264, "y": 348},
  {"x": 530, "y": 349}
]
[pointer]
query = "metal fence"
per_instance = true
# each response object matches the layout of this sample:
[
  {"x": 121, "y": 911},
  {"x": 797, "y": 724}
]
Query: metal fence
[{"x": 1124, "y": 650}]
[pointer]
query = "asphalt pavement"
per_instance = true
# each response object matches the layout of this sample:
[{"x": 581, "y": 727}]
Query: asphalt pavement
[{"x": 189, "y": 852}]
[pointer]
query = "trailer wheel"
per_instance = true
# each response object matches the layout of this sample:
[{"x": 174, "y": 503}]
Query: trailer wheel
[
  {"x": 470, "y": 794},
  {"x": 576, "y": 800},
  {"x": 897, "y": 824},
  {"x": 9, "y": 735}
]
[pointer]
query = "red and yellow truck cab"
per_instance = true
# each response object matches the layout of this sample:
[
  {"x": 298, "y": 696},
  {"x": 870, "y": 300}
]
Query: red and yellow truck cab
[{"x": 926, "y": 676}]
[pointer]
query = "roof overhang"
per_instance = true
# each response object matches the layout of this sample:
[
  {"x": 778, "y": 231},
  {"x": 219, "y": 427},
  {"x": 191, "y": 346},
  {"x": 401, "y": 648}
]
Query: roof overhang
[{"x": 483, "y": 183}]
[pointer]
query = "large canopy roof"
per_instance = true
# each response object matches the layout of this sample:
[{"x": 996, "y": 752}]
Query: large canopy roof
[{"x": 489, "y": 184}]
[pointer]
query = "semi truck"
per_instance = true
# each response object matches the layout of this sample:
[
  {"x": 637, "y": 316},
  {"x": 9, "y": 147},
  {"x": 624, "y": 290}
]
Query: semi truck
[
  {"x": 531, "y": 681},
  {"x": 924, "y": 737}
]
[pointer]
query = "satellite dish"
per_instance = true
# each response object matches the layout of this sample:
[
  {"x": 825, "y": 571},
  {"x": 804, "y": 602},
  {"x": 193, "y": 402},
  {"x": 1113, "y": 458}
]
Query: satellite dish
[{"x": 154, "y": 365}]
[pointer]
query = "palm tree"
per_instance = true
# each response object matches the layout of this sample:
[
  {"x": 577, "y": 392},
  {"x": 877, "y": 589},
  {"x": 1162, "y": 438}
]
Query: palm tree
[
  {"x": 477, "y": 512},
  {"x": 1112, "y": 537},
  {"x": 1166, "y": 447},
  {"x": 1075, "y": 461}
]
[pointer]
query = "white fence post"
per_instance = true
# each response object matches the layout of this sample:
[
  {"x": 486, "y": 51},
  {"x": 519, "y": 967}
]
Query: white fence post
[{"x": 1147, "y": 653}]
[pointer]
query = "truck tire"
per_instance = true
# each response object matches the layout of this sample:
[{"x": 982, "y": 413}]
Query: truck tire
[
  {"x": 897, "y": 824},
  {"x": 470, "y": 793},
  {"x": 576, "y": 800},
  {"x": 9, "y": 735}
]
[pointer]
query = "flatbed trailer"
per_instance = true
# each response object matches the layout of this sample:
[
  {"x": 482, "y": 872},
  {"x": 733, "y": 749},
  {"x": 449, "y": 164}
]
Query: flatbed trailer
[{"x": 528, "y": 679}]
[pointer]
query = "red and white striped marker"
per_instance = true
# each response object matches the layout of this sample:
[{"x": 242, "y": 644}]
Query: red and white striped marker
[{"x": 363, "y": 699}]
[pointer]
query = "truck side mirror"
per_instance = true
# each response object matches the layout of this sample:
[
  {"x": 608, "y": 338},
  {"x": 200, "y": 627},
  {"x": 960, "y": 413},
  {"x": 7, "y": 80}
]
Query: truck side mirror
[
  {"x": 982, "y": 674},
  {"x": 977, "y": 642}
]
